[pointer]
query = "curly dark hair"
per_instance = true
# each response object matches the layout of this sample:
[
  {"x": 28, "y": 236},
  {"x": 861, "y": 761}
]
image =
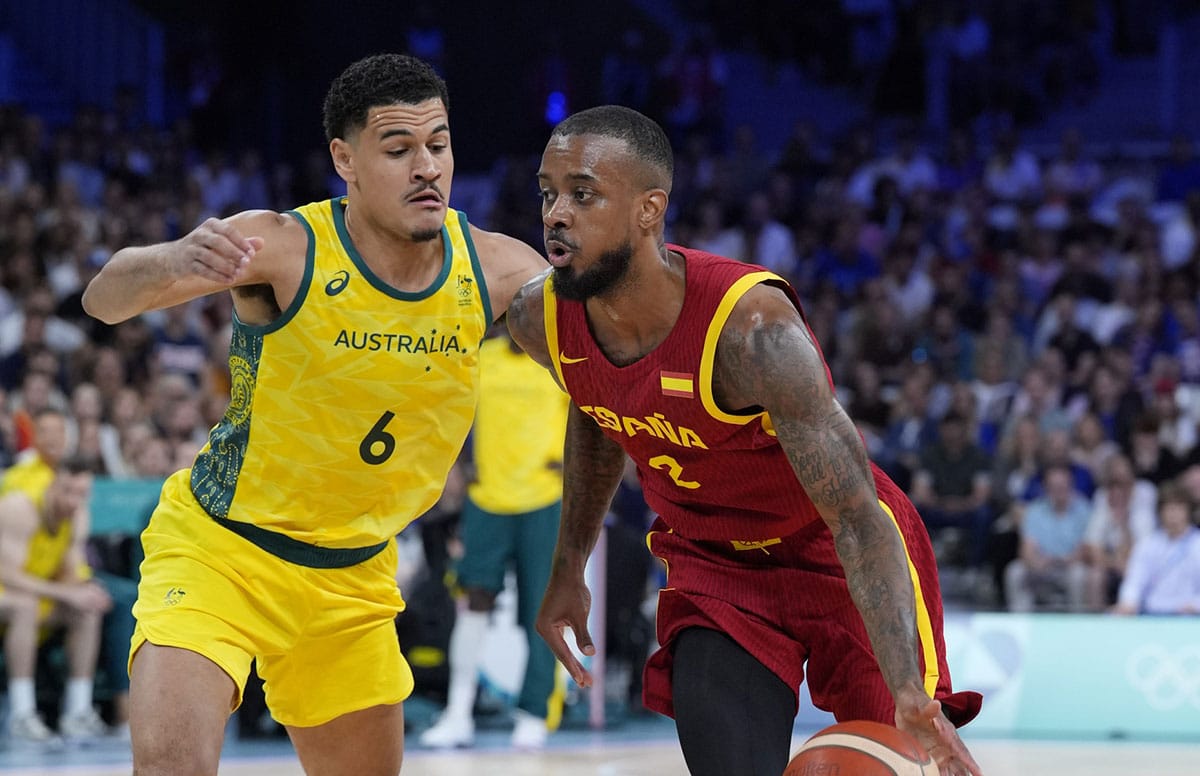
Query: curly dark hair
[
  {"x": 382, "y": 79},
  {"x": 645, "y": 138}
]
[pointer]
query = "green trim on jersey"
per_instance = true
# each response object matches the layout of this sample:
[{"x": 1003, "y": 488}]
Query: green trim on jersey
[
  {"x": 339, "y": 222},
  {"x": 480, "y": 278}
]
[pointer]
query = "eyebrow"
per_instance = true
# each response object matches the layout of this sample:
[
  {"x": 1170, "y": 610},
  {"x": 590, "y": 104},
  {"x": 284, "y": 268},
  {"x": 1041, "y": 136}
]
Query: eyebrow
[
  {"x": 575, "y": 176},
  {"x": 409, "y": 133}
]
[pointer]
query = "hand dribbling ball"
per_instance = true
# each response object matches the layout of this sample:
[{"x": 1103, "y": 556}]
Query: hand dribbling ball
[{"x": 861, "y": 748}]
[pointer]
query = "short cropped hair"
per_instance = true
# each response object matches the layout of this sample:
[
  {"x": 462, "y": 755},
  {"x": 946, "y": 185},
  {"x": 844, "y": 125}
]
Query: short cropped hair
[
  {"x": 382, "y": 79},
  {"x": 645, "y": 138},
  {"x": 75, "y": 464}
]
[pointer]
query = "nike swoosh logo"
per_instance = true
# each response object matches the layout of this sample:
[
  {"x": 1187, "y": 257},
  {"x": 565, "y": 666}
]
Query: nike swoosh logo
[{"x": 563, "y": 357}]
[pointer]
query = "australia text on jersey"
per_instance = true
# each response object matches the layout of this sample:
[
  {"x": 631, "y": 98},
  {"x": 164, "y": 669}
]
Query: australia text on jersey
[
  {"x": 391, "y": 342},
  {"x": 655, "y": 425}
]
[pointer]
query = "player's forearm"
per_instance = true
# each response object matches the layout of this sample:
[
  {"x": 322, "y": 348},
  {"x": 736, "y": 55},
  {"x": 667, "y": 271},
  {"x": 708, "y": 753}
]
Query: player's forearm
[
  {"x": 832, "y": 465},
  {"x": 134, "y": 280},
  {"x": 592, "y": 467},
  {"x": 877, "y": 575},
  {"x": 19, "y": 581}
]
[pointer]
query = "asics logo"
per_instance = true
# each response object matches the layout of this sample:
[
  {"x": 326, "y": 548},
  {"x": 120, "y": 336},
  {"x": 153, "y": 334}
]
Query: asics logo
[
  {"x": 563, "y": 357},
  {"x": 340, "y": 280}
]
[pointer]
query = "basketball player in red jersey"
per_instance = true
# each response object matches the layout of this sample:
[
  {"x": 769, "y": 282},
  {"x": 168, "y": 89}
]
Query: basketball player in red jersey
[{"x": 782, "y": 542}]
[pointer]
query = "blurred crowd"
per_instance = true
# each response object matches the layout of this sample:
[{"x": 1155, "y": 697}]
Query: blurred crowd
[{"x": 991, "y": 315}]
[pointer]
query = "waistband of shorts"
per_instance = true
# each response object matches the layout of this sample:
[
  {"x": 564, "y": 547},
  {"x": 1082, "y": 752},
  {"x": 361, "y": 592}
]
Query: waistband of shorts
[{"x": 298, "y": 552}]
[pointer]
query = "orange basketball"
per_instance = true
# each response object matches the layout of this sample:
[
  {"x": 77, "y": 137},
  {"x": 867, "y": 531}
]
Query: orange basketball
[{"x": 863, "y": 749}]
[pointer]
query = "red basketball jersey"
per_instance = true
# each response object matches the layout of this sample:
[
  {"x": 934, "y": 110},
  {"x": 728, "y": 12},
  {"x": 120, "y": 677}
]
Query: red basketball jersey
[{"x": 710, "y": 474}]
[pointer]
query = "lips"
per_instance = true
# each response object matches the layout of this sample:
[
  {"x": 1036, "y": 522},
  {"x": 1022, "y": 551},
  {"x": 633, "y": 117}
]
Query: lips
[
  {"x": 425, "y": 196},
  {"x": 558, "y": 253}
]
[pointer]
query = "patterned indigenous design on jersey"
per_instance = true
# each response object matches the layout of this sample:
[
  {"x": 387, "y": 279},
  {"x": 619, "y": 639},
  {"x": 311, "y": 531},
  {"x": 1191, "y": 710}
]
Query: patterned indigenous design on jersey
[
  {"x": 347, "y": 412},
  {"x": 517, "y": 442},
  {"x": 709, "y": 473}
]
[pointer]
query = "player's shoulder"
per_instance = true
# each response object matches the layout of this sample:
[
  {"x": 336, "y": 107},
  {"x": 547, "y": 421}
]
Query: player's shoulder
[
  {"x": 526, "y": 315},
  {"x": 528, "y": 303},
  {"x": 264, "y": 220},
  {"x": 764, "y": 300}
]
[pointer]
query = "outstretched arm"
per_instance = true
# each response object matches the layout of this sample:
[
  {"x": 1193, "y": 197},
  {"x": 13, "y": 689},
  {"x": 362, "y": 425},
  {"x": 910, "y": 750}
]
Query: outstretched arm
[
  {"x": 215, "y": 256},
  {"x": 592, "y": 468},
  {"x": 767, "y": 358}
]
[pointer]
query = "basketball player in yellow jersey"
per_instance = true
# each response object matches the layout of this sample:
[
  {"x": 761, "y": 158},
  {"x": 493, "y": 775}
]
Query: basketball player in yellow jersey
[
  {"x": 510, "y": 517},
  {"x": 354, "y": 366},
  {"x": 45, "y": 580}
]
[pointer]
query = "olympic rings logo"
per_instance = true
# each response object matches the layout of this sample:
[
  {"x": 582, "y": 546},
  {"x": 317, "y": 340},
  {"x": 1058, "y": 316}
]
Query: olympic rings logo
[{"x": 1166, "y": 679}]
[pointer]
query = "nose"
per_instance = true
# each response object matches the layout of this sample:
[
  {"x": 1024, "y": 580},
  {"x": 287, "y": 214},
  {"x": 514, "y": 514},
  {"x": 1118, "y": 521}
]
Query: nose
[
  {"x": 556, "y": 212},
  {"x": 425, "y": 167}
]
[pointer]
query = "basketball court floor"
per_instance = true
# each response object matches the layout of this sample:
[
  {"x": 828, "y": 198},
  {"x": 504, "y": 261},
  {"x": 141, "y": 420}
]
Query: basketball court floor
[{"x": 640, "y": 748}]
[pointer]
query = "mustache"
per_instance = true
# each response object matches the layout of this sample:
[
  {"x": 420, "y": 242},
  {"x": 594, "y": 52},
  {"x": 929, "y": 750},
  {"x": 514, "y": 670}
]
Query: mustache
[
  {"x": 556, "y": 235},
  {"x": 422, "y": 189}
]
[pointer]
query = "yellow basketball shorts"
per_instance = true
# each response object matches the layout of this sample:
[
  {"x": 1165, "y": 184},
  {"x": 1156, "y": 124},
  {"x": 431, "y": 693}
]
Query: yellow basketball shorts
[{"x": 325, "y": 639}]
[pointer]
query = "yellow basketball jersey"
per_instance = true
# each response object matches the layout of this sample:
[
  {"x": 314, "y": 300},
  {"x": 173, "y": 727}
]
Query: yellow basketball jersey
[
  {"x": 31, "y": 476},
  {"x": 347, "y": 413},
  {"x": 47, "y": 550},
  {"x": 518, "y": 436}
]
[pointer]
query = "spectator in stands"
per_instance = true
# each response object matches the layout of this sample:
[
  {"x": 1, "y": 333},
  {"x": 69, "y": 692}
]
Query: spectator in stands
[
  {"x": 912, "y": 427},
  {"x": 1039, "y": 398},
  {"x": 842, "y": 262},
  {"x": 713, "y": 233},
  {"x": 1112, "y": 401},
  {"x": 867, "y": 406},
  {"x": 36, "y": 324},
  {"x": 1049, "y": 568},
  {"x": 1056, "y": 451},
  {"x": 908, "y": 286},
  {"x": 45, "y": 583},
  {"x": 1152, "y": 460},
  {"x": 879, "y": 337},
  {"x": 1073, "y": 172},
  {"x": 35, "y": 469},
  {"x": 952, "y": 489},
  {"x": 946, "y": 345},
  {"x": 1163, "y": 575},
  {"x": 1176, "y": 429},
  {"x": 179, "y": 347},
  {"x": 1123, "y": 512},
  {"x": 1091, "y": 447},
  {"x": 1013, "y": 174},
  {"x": 766, "y": 241}
]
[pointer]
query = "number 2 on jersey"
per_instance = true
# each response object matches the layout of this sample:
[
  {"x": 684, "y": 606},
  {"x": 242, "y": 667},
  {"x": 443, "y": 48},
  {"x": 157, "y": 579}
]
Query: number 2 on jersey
[{"x": 673, "y": 469}]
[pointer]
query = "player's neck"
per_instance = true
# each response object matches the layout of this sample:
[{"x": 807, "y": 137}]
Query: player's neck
[
  {"x": 641, "y": 311},
  {"x": 396, "y": 259}
]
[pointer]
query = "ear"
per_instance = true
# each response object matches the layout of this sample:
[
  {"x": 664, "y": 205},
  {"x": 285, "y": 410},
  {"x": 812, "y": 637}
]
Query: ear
[
  {"x": 343, "y": 159},
  {"x": 653, "y": 209}
]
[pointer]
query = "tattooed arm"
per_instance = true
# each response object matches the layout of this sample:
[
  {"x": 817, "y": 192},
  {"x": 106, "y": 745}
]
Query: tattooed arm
[
  {"x": 592, "y": 468},
  {"x": 766, "y": 358}
]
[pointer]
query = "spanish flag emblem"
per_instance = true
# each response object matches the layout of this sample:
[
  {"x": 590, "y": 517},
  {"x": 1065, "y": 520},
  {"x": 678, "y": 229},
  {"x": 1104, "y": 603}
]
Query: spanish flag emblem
[{"x": 679, "y": 384}]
